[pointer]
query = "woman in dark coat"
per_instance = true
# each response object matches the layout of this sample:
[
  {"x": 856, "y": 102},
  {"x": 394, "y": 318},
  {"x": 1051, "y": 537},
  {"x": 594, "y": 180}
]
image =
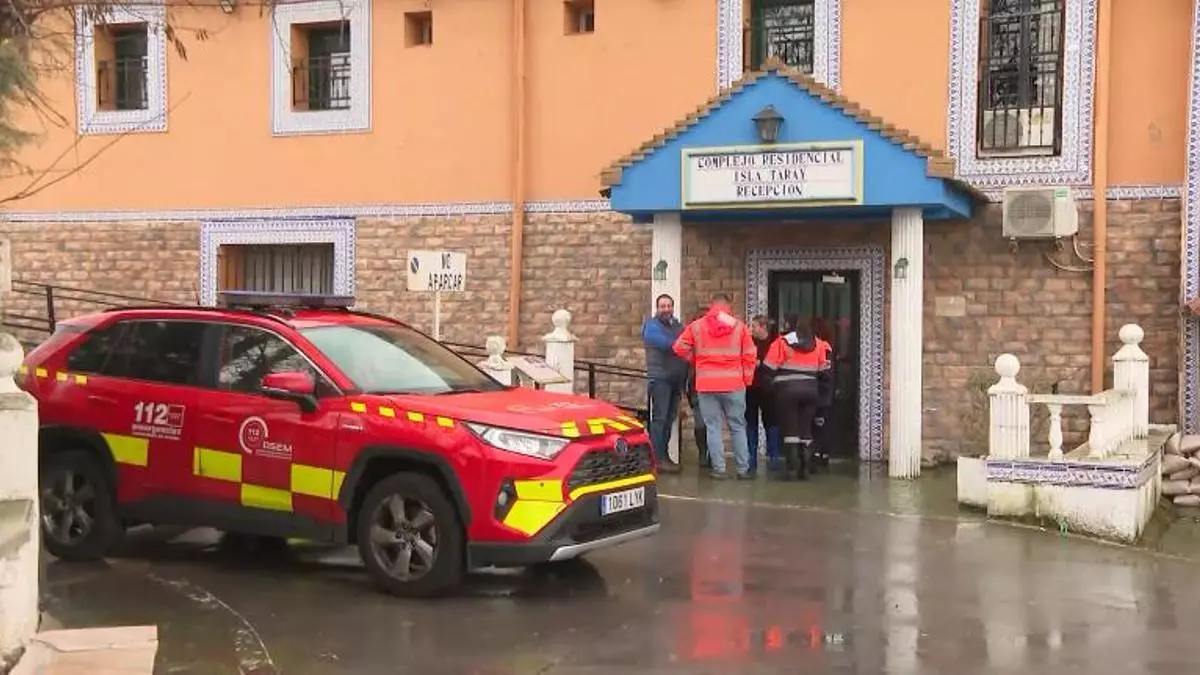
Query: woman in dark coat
[{"x": 823, "y": 424}]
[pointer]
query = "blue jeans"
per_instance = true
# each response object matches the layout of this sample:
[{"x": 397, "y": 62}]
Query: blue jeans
[
  {"x": 718, "y": 409},
  {"x": 664, "y": 410},
  {"x": 774, "y": 438}
]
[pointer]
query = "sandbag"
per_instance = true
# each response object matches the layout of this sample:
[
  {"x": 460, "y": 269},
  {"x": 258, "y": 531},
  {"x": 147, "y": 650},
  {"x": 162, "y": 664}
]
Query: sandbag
[
  {"x": 1194, "y": 461},
  {"x": 1187, "y": 500},
  {"x": 1172, "y": 446},
  {"x": 1187, "y": 474},
  {"x": 1189, "y": 444},
  {"x": 1174, "y": 488},
  {"x": 1173, "y": 463}
]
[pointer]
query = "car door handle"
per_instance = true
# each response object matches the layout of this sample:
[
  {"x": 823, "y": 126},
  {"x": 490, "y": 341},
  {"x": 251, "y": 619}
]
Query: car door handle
[{"x": 96, "y": 398}]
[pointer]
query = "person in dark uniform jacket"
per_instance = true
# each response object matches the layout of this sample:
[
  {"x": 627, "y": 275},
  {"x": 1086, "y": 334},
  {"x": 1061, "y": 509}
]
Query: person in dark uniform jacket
[
  {"x": 823, "y": 423},
  {"x": 758, "y": 398}
]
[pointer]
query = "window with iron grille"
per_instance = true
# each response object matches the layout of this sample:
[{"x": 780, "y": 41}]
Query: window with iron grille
[
  {"x": 781, "y": 29},
  {"x": 321, "y": 80},
  {"x": 284, "y": 268},
  {"x": 1020, "y": 77},
  {"x": 121, "y": 64}
]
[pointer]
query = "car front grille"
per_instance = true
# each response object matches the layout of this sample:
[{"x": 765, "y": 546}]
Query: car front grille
[{"x": 601, "y": 466}]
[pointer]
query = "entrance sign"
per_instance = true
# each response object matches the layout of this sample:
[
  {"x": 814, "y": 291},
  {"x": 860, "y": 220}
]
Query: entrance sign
[
  {"x": 773, "y": 176},
  {"x": 437, "y": 272}
]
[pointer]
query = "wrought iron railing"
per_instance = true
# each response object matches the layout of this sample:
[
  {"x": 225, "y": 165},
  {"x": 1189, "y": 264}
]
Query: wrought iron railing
[
  {"x": 1020, "y": 77},
  {"x": 321, "y": 82},
  {"x": 121, "y": 84},
  {"x": 781, "y": 29}
]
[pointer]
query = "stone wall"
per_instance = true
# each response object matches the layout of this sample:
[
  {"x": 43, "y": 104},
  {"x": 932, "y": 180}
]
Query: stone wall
[{"x": 1009, "y": 302}]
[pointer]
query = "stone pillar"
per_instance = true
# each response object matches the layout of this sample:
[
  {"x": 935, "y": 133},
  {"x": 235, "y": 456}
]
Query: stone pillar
[
  {"x": 495, "y": 364},
  {"x": 907, "y": 346},
  {"x": 560, "y": 351},
  {"x": 1131, "y": 372},
  {"x": 666, "y": 274},
  {"x": 19, "y": 529}
]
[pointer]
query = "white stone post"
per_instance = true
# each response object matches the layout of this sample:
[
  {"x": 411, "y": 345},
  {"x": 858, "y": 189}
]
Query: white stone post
[
  {"x": 1131, "y": 372},
  {"x": 666, "y": 275},
  {"x": 1056, "y": 432},
  {"x": 560, "y": 351},
  {"x": 1008, "y": 417},
  {"x": 1098, "y": 432},
  {"x": 20, "y": 544},
  {"x": 495, "y": 365},
  {"x": 907, "y": 337}
]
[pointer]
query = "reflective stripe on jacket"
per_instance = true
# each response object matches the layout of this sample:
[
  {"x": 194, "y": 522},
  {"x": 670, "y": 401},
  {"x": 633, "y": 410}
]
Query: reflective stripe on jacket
[
  {"x": 723, "y": 363},
  {"x": 792, "y": 364}
]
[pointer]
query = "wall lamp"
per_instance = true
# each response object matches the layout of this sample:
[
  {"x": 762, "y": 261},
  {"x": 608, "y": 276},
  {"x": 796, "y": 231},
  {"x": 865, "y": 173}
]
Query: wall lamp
[
  {"x": 767, "y": 121},
  {"x": 227, "y": 6},
  {"x": 900, "y": 269}
]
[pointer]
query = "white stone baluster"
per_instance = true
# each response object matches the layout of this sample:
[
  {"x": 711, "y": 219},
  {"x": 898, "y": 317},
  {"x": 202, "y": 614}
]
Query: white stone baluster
[
  {"x": 1008, "y": 417},
  {"x": 1098, "y": 433},
  {"x": 560, "y": 351},
  {"x": 1131, "y": 372},
  {"x": 19, "y": 520},
  {"x": 495, "y": 365},
  {"x": 1056, "y": 432}
]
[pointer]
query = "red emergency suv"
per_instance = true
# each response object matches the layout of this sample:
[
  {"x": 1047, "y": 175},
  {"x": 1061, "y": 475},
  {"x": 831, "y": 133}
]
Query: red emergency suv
[{"x": 293, "y": 416}]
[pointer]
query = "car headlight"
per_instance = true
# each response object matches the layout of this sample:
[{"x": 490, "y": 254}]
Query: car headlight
[{"x": 520, "y": 442}]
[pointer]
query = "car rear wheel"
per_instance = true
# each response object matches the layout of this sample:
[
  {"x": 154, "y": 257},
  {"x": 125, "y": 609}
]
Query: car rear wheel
[
  {"x": 78, "y": 506},
  {"x": 409, "y": 536}
]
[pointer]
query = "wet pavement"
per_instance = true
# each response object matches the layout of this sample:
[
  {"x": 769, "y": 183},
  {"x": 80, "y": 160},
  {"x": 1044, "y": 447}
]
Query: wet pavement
[{"x": 840, "y": 575}]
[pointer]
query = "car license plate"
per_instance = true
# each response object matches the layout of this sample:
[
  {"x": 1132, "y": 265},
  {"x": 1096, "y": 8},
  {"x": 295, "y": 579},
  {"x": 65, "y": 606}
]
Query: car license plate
[{"x": 625, "y": 500}]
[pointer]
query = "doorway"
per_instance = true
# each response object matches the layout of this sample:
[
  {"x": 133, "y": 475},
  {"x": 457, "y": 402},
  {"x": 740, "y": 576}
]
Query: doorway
[{"x": 831, "y": 298}]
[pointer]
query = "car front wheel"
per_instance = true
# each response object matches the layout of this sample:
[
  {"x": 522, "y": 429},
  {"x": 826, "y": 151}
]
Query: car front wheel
[
  {"x": 409, "y": 536},
  {"x": 78, "y": 506}
]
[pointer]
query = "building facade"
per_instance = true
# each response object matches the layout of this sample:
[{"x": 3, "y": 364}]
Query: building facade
[{"x": 311, "y": 146}]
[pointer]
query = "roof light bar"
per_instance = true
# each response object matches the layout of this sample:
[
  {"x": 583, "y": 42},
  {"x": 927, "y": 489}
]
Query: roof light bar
[{"x": 260, "y": 300}]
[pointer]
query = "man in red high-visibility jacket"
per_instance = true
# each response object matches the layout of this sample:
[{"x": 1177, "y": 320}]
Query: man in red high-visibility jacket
[{"x": 724, "y": 356}]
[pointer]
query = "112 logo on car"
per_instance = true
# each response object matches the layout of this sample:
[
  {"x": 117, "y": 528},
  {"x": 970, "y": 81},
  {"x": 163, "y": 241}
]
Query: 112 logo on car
[{"x": 151, "y": 414}]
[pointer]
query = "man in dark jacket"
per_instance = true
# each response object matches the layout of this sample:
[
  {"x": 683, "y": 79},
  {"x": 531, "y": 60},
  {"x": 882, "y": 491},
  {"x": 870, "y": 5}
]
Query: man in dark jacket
[{"x": 667, "y": 376}]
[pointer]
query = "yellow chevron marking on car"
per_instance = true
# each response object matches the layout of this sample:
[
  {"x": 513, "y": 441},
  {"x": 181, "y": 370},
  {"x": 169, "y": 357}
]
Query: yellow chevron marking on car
[
  {"x": 596, "y": 425},
  {"x": 543, "y": 490},
  {"x": 415, "y": 416},
  {"x": 81, "y": 379},
  {"x": 631, "y": 421},
  {"x": 358, "y": 407},
  {"x": 41, "y": 372},
  {"x": 445, "y": 422},
  {"x": 611, "y": 485},
  {"x": 23, "y": 369},
  {"x": 386, "y": 411},
  {"x": 129, "y": 450},
  {"x": 61, "y": 375},
  {"x": 538, "y": 503},
  {"x": 570, "y": 429}
]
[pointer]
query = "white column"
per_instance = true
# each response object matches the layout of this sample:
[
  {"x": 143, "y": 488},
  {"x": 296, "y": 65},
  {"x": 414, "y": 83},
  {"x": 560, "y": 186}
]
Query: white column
[
  {"x": 20, "y": 543},
  {"x": 560, "y": 351},
  {"x": 907, "y": 335},
  {"x": 666, "y": 246}
]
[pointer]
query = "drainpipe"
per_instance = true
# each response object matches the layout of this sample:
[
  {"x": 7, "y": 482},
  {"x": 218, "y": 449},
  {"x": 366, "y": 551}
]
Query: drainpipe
[
  {"x": 1099, "y": 190},
  {"x": 517, "y": 242}
]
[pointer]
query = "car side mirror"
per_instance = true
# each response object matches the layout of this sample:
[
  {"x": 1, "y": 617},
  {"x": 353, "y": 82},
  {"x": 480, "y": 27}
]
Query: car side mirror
[{"x": 295, "y": 386}]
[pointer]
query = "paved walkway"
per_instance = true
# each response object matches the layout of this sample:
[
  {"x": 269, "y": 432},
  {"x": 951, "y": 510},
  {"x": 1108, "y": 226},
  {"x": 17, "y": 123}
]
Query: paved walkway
[{"x": 745, "y": 578}]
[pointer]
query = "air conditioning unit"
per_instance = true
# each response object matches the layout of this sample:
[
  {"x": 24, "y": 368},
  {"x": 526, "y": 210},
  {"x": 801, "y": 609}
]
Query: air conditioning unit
[
  {"x": 1039, "y": 213},
  {"x": 1017, "y": 132}
]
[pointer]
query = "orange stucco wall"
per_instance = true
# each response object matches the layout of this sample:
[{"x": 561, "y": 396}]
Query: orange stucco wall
[
  {"x": 1151, "y": 57},
  {"x": 442, "y": 113}
]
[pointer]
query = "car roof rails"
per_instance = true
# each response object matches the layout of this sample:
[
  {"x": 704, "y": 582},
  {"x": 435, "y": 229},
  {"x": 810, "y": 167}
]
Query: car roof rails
[{"x": 282, "y": 302}]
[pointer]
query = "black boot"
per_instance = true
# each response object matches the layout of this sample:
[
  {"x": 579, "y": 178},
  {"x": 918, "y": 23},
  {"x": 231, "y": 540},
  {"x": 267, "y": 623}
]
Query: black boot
[
  {"x": 701, "y": 435},
  {"x": 806, "y": 461},
  {"x": 791, "y": 459}
]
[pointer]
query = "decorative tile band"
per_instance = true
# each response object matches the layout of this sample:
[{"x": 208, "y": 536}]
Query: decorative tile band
[
  {"x": 1190, "y": 283},
  {"x": 868, "y": 261},
  {"x": 1074, "y": 474},
  {"x": 426, "y": 210}
]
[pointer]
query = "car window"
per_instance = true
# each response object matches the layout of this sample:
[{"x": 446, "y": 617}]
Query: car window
[
  {"x": 249, "y": 354},
  {"x": 93, "y": 353},
  {"x": 397, "y": 359},
  {"x": 159, "y": 351}
]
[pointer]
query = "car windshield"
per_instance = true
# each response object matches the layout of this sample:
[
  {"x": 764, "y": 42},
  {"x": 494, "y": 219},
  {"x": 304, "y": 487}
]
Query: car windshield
[{"x": 397, "y": 360}]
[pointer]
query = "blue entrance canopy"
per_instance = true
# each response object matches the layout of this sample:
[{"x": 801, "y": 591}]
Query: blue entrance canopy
[{"x": 829, "y": 159}]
